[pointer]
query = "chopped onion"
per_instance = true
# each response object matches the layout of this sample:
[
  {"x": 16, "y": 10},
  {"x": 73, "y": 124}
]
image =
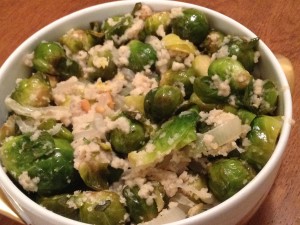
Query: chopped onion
[
  {"x": 226, "y": 132},
  {"x": 58, "y": 112},
  {"x": 167, "y": 216}
]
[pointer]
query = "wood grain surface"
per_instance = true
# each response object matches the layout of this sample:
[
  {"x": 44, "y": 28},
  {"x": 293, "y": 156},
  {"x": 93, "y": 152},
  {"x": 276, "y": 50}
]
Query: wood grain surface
[{"x": 277, "y": 23}]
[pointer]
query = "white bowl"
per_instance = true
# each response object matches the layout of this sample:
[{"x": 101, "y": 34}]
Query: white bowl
[{"x": 235, "y": 210}]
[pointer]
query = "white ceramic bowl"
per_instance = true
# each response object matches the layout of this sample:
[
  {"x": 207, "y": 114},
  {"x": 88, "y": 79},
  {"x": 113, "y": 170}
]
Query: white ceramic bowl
[{"x": 235, "y": 210}]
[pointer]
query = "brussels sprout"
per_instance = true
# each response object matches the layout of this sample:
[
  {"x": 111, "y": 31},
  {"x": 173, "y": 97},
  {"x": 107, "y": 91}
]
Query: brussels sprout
[
  {"x": 174, "y": 43},
  {"x": 201, "y": 64},
  {"x": 207, "y": 93},
  {"x": 138, "y": 208},
  {"x": 191, "y": 25},
  {"x": 202, "y": 106},
  {"x": 173, "y": 135},
  {"x": 67, "y": 68},
  {"x": 116, "y": 26},
  {"x": 246, "y": 116},
  {"x": 59, "y": 205},
  {"x": 105, "y": 68},
  {"x": 63, "y": 132},
  {"x": 232, "y": 70},
  {"x": 123, "y": 142},
  {"x": 179, "y": 78},
  {"x": 45, "y": 160},
  {"x": 34, "y": 91},
  {"x": 227, "y": 176},
  {"x": 135, "y": 102},
  {"x": 161, "y": 102},
  {"x": 261, "y": 97},
  {"x": 155, "y": 21},
  {"x": 102, "y": 208},
  {"x": 50, "y": 58},
  {"x": 244, "y": 50},
  {"x": 141, "y": 55},
  {"x": 78, "y": 39},
  {"x": 213, "y": 41},
  {"x": 263, "y": 136},
  {"x": 46, "y": 56},
  {"x": 94, "y": 174}
]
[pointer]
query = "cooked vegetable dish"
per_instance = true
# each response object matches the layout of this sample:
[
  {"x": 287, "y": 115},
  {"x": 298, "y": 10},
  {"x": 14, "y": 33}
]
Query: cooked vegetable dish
[{"x": 144, "y": 118}]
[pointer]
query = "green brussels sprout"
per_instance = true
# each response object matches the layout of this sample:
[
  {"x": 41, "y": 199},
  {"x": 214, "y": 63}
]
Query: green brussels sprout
[
  {"x": 192, "y": 25},
  {"x": 179, "y": 78},
  {"x": 206, "y": 92},
  {"x": 67, "y": 68},
  {"x": 244, "y": 50},
  {"x": 59, "y": 205},
  {"x": 34, "y": 91},
  {"x": 50, "y": 58},
  {"x": 46, "y": 56},
  {"x": 78, "y": 39},
  {"x": 123, "y": 142},
  {"x": 173, "y": 135},
  {"x": 227, "y": 176},
  {"x": 102, "y": 208},
  {"x": 153, "y": 22},
  {"x": 104, "y": 66},
  {"x": 202, "y": 105},
  {"x": 138, "y": 208},
  {"x": 201, "y": 64},
  {"x": 263, "y": 136},
  {"x": 263, "y": 101},
  {"x": 160, "y": 103},
  {"x": 63, "y": 132},
  {"x": 141, "y": 55},
  {"x": 228, "y": 68},
  {"x": 47, "y": 161},
  {"x": 174, "y": 43},
  {"x": 94, "y": 174},
  {"x": 246, "y": 116},
  {"x": 116, "y": 26},
  {"x": 213, "y": 41}
]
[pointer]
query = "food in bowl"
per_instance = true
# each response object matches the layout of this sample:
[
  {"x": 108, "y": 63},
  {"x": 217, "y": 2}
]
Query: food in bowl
[{"x": 147, "y": 116}]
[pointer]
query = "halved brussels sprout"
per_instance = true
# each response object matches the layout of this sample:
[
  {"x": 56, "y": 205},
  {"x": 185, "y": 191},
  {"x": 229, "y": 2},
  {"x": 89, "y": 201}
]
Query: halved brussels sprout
[
  {"x": 141, "y": 55},
  {"x": 50, "y": 58},
  {"x": 116, "y": 26},
  {"x": 78, "y": 39},
  {"x": 102, "y": 208},
  {"x": 232, "y": 70},
  {"x": 156, "y": 21},
  {"x": 181, "y": 79},
  {"x": 59, "y": 205},
  {"x": 161, "y": 102},
  {"x": 192, "y": 25},
  {"x": 43, "y": 165},
  {"x": 261, "y": 97},
  {"x": 33, "y": 91},
  {"x": 263, "y": 136},
  {"x": 104, "y": 66},
  {"x": 213, "y": 41},
  {"x": 123, "y": 142},
  {"x": 244, "y": 50},
  {"x": 227, "y": 176},
  {"x": 175, "y": 43},
  {"x": 138, "y": 208}
]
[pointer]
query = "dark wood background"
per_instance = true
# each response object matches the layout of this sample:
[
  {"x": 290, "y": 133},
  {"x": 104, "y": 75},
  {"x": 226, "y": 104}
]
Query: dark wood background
[{"x": 277, "y": 23}]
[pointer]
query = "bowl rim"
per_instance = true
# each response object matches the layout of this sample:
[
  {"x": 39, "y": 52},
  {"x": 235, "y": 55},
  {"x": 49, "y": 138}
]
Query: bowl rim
[{"x": 14, "y": 193}]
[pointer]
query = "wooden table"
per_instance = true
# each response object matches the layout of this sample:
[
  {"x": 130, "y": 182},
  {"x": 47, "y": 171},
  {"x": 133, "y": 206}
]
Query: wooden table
[{"x": 275, "y": 22}]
